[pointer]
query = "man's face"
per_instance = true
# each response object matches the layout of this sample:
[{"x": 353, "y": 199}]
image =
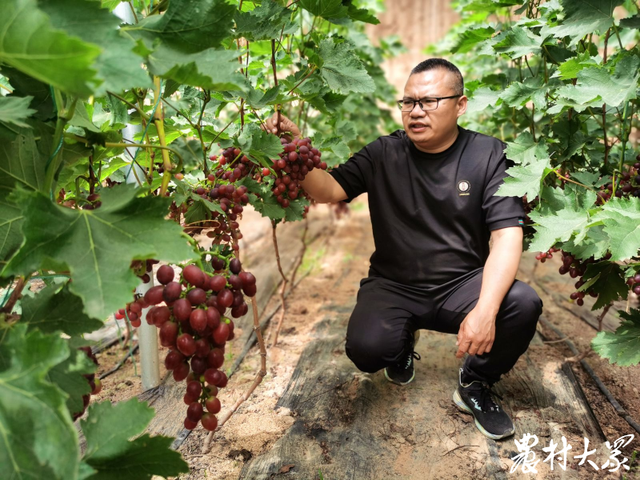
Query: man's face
[{"x": 434, "y": 130}]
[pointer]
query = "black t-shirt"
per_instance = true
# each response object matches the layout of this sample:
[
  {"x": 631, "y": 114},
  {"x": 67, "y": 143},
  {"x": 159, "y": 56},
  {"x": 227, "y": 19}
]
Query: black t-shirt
[{"x": 432, "y": 214}]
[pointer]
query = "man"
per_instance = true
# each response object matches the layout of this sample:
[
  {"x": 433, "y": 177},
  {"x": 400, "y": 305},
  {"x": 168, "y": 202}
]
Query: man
[{"x": 430, "y": 190}]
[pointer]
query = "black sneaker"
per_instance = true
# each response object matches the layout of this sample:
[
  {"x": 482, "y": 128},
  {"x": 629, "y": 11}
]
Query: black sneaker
[
  {"x": 476, "y": 398},
  {"x": 403, "y": 372}
]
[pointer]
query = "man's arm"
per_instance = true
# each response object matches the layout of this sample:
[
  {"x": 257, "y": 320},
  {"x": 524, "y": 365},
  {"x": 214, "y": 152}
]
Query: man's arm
[{"x": 477, "y": 331}]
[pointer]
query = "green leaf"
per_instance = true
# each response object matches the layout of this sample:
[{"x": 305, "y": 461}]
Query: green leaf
[
  {"x": 524, "y": 180},
  {"x": 98, "y": 245},
  {"x": 24, "y": 85},
  {"x": 82, "y": 119},
  {"x": 108, "y": 427},
  {"x": 481, "y": 99},
  {"x": 623, "y": 346},
  {"x": 146, "y": 457},
  {"x": 631, "y": 22},
  {"x": 524, "y": 149},
  {"x": 15, "y": 110},
  {"x": 362, "y": 15},
  {"x": 342, "y": 69},
  {"x": 517, "y": 41},
  {"x": 20, "y": 164},
  {"x": 259, "y": 99},
  {"x": 29, "y": 43},
  {"x": 295, "y": 210},
  {"x": 329, "y": 9},
  {"x": 38, "y": 437},
  {"x": 608, "y": 280},
  {"x": 595, "y": 244},
  {"x": 598, "y": 83},
  {"x": 573, "y": 66},
  {"x": 190, "y": 151},
  {"x": 468, "y": 39},
  {"x": 259, "y": 145},
  {"x": 560, "y": 227},
  {"x": 212, "y": 69},
  {"x": 49, "y": 311},
  {"x": 583, "y": 17},
  {"x": 118, "y": 66},
  {"x": 621, "y": 219},
  {"x": 68, "y": 376},
  {"x": 266, "y": 22},
  {"x": 519, "y": 93},
  {"x": 190, "y": 26}
]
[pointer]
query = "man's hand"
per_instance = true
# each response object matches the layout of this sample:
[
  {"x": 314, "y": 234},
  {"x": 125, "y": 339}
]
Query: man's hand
[
  {"x": 477, "y": 333},
  {"x": 285, "y": 126}
]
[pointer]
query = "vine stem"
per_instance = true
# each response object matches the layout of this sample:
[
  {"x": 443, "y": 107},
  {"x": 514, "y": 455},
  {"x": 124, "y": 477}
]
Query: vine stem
[
  {"x": 159, "y": 122},
  {"x": 15, "y": 295},
  {"x": 284, "y": 285},
  {"x": 313, "y": 69},
  {"x": 130, "y": 144},
  {"x": 64, "y": 115},
  {"x": 566, "y": 179},
  {"x": 259, "y": 376}
]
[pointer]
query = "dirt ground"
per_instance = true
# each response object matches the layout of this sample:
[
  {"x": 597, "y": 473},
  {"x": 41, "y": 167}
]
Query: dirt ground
[{"x": 336, "y": 267}]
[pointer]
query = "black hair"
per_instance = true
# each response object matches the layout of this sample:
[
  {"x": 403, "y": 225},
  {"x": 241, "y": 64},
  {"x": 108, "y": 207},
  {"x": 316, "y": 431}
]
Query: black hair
[{"x": 433, "y": 63}]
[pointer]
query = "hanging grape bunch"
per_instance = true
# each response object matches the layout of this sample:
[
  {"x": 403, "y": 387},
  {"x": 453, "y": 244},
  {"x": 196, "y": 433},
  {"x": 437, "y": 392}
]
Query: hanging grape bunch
[
  {"x": 194, "y": 325},
  {"x": 94, "y": 383},
  {"x": 297, "y": 159},
  {"x": 634, "y": 283},
  {"x": 628, "y": 186}
]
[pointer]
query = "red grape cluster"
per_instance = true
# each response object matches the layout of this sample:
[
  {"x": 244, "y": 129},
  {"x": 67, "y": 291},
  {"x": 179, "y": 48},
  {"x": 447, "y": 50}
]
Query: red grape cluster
[
  {"x": 634, "y": 283},
  {"x": 297, "y": 159},
  {"x": 629, "y": 185},
  {"x": 228, "y": 166},
  {"x": 576, "y": 268},
  {"x": 190, "y": 314},
  {"x": 94, "y": 383},
  {"x": 542, "y": 256},
  {"x": 133, "y": 311}
]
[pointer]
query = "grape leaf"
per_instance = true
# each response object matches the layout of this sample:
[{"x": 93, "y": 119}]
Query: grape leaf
[
  {"x": 560, "y": 226},
  {"x": 524, "y": 180},
  {"x": 342, "y": 69},
  {"x": 98, "y": 245},
  {"x": 68, "y": 377},
  {"x": 146, "y": 457},
  {"x": 583, "y": 17},
  {"x": 623, "y": 346},
  {"x": 607, "y": 279},
  {"x": 481, "y": 99},
  {"x": 190, "y": 26},
  {"x": 524, "y": 149},
  {"x": 516, "y": 42},
  {"x": 595, "y": 244},
  {"x": 15, "y": 110},
  {"x": 631, "y": 22},
  {"x": 267, "y": 21},
  {"x": 362, "y": 15},
  {"x": 570, "y": 69},
  {"x": 49, "y": 311},
  {"x": 468, "y": 39},
  {"x": 20, "y": 164},
  {"x": 214, "y": 69},
  {"x": 34, "y": 420},
  {"x": 259, "y": 99},
  {"x": 108, "y": 427},
  {"x": 621, "y": 220},
  {"x": 519, "y": 93},
  {"x": 259, "y": 145},
  {"x": 29, "y": 43},
  {"x": 24, "y": 85},
  {"x": 118, "y": 66},
  {"x": 598, "y": 83},
  {"x": 295, "y": 210},
  {"x": 329, "y": 9}
]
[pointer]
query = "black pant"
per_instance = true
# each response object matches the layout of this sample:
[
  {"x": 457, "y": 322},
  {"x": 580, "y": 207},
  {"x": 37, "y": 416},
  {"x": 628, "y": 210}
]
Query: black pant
[{"x": 387, "y": 312}]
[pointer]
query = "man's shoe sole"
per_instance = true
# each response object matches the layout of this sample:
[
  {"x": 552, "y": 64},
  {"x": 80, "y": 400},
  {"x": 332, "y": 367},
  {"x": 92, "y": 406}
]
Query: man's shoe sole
[
  {"x": 457, "y": 399},
  {"x": 416, "y": 337}
]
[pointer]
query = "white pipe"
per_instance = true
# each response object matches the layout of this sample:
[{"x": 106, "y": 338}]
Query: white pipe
[{"x": 148, "y": 341}]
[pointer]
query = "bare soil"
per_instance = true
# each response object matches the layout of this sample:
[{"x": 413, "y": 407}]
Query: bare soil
[{"x": 336, "y": 264}]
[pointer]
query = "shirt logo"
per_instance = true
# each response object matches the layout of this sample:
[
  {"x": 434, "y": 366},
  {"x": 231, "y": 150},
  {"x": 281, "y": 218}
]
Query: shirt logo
[{"x": 463, "y": 187}]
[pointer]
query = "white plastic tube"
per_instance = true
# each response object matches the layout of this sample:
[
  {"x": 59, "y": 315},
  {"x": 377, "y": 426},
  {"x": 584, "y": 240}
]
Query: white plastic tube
[{"x": 148, "y": 341}]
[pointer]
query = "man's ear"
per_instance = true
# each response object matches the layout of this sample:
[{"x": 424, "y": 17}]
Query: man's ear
[{"x": 462, "y": 105}]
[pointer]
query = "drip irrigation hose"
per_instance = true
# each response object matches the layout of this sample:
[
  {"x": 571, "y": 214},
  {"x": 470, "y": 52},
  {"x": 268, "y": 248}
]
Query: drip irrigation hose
[{"x": 605, "y": 391}]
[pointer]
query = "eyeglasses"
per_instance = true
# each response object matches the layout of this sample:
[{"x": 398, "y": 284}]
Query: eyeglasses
[{"x": 426, "y": 104}]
